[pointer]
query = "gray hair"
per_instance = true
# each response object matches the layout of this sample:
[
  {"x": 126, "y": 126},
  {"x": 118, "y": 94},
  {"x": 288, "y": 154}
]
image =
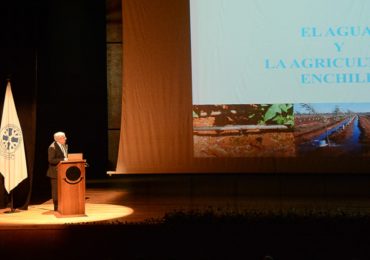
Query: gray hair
[{"x": 59, "y": 134}]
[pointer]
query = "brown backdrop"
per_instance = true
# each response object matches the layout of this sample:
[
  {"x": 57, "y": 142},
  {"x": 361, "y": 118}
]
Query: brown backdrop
[{"x": 156, "y": 122}]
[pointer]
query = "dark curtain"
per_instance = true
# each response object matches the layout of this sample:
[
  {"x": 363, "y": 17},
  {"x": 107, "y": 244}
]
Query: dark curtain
[
  {"x": 71, "y": 92},
  {"x": 54, "y": 53},
  {"x": 18, "y": 62}
]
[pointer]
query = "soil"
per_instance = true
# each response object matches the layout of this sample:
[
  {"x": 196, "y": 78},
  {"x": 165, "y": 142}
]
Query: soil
[
  {"x": 271, "y": 144},
  {"x": 365, "y": 136},
  {"x": 305, "y": 132}
]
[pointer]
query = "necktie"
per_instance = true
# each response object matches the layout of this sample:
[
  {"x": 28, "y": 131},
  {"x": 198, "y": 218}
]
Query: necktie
[{"x": 64, "y": 150}]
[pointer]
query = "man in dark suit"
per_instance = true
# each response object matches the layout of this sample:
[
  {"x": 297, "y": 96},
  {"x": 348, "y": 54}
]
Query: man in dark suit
[{"x": 57, "y": 152}]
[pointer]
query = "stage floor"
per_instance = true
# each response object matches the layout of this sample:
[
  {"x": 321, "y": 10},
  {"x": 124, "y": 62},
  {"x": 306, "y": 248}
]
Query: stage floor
[
  {"x": 121, "y": 212},
  {"x": 143, "y": 198},
  {"x": 44, "y": 215}
]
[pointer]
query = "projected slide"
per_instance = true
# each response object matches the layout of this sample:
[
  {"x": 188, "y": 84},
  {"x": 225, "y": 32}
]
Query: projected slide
[{"x": 280, "y": 78}]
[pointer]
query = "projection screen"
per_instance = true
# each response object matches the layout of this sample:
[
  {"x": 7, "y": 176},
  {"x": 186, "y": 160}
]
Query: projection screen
[{"x": 245, "y": 86}]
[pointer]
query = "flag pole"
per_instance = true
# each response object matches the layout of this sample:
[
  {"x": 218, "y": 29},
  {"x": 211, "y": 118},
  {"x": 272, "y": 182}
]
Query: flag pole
[{"x": 12, "y": 209}]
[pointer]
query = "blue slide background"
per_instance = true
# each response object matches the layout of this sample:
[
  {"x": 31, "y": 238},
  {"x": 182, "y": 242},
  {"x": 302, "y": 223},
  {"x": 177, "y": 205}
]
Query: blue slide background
[{"x": 288, "y": 51}]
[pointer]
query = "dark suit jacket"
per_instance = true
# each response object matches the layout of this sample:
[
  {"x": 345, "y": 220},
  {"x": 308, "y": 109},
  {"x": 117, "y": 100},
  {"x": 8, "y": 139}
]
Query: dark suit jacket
[{"x": 55, "y": 155}]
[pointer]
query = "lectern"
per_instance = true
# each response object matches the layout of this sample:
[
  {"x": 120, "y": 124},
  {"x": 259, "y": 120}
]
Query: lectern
[{"x": 71, "y": 188}]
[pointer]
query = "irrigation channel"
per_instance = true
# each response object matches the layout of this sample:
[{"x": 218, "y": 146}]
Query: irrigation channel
[{"x": 343, "y": 138}]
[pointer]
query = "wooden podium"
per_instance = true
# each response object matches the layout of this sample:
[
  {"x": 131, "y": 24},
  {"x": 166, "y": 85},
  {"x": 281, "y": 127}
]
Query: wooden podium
[{"x": 71, "y": 188}]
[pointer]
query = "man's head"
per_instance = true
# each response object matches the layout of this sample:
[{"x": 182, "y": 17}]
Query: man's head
[{"x": 60, "y": 137}]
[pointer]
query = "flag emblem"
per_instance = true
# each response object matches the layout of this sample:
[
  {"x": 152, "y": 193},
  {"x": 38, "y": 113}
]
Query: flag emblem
[{"x": 11, "y": 137}]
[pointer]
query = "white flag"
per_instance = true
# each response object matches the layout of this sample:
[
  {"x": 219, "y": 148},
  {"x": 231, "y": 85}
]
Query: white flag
[{"x": 12, "y": 155}]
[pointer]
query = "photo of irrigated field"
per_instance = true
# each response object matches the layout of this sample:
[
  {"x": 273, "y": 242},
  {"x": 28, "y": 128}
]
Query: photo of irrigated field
[{"x": 332, "y": 129}]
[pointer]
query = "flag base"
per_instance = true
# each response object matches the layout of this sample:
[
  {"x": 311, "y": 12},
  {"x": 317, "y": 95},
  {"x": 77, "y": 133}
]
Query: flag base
[{"x": 11, "y": 211}]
